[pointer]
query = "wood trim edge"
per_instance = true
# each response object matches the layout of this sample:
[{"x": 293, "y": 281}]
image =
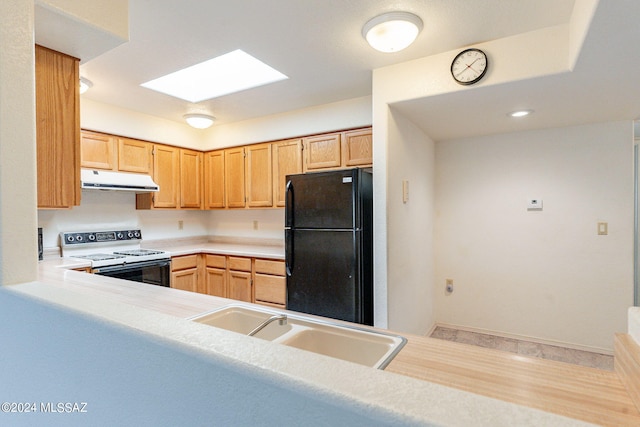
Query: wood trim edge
[{"x": 627, "y": 365}]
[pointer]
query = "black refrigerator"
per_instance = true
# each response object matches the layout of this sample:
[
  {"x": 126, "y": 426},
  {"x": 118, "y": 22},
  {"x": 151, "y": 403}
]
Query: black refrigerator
[{"x": 329, "y": 244}]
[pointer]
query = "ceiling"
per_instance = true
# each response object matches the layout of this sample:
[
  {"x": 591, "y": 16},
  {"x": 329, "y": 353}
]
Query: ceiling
[{"x": 318, "y": 44}]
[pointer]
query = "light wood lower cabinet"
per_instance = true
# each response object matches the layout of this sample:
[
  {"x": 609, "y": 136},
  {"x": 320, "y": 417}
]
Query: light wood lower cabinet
[
  {"x": 184, "y": 272},
  {"x": 215, "y": 280},
  {"x": 270, "y": 283},
  {"x": 257, "y": 280}
]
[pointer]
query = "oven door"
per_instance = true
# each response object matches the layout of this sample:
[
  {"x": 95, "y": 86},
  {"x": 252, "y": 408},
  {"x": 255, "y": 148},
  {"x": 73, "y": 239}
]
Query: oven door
[{"x": 152, "y": 272}]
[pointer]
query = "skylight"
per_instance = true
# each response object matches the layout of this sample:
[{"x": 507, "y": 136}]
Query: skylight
[{"x": 232, "y": 72}]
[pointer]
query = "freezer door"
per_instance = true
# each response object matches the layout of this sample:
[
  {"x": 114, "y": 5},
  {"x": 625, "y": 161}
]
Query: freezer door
[
  {"x": 323, "y": 200},
  {"x": 323, "y": 274}
]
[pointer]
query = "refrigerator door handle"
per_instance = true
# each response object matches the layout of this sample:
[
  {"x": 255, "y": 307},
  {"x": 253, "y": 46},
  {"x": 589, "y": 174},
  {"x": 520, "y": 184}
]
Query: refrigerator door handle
[
  {"x": 288, "y": 214},
  {"x": 288, "y": 256}
]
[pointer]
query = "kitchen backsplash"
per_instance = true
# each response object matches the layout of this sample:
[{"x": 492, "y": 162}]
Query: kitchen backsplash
[{"x": 109, "y": 210}]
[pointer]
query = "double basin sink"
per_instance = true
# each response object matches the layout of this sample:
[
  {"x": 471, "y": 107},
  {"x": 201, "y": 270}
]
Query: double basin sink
[{"x": 352, "y": 343}]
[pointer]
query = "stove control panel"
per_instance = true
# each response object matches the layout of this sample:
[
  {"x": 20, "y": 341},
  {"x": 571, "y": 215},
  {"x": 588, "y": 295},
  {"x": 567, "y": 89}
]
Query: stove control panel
[{"x": 87, "y": 237}]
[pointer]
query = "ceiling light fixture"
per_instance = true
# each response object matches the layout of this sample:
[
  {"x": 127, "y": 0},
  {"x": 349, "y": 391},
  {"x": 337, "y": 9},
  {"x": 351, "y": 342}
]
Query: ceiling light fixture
[
  {"x": 85, "y": 85},
  {"x": 520, "y": 113},
  {"x": 392, "y": 31},
  {"x": 199, "y": 121}
]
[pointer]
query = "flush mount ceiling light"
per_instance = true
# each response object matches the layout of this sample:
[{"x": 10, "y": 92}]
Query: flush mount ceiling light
[
  {"x": 232, "y": 72},
  {"x": 199, "y": 121},
  {"x": 85, "y": 85},
  {"x": 520, "y": 113},
  {"x": 393, "y": 31}
]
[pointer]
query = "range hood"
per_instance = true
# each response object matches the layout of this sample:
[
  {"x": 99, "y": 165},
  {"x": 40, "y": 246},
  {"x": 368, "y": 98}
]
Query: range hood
[{"x": 92, "y": 179}]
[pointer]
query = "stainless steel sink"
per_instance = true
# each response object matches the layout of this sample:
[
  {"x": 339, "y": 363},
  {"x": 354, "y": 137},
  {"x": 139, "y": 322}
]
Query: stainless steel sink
[{"x": 352, "y": 343}]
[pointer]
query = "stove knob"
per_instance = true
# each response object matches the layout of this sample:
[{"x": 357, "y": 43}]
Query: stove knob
[
  {"x": 120, "y": 236},
  {"x": 137, "y": 234},
  {"x": 70, "y": 238},
  {"x": 92, "y": 237},
  {"x": 79, "y": 238},
  {"x": 130, "y": 235}
]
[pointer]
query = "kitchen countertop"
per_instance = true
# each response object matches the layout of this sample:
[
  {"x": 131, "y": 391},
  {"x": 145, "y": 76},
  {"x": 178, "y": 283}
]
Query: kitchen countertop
[{"x": 577, "y": 392}]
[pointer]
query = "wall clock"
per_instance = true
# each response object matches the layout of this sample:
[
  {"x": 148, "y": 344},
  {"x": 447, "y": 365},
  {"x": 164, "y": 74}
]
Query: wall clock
[{"x": 469, "y": 66}]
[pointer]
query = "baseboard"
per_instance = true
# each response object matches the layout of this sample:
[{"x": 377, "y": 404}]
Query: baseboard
[{"x": 536, "y": 340}]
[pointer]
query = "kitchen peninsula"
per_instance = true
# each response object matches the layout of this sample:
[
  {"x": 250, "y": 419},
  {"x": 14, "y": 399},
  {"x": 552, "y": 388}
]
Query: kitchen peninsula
[{"x": 428, "y": 381}]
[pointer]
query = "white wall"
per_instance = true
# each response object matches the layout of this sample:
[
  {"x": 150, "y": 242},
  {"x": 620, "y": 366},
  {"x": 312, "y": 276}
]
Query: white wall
[
  {"x": 18, "y": 234},
  {"x": 347, "y": 114},
  {"x": 543, "y": 274},
  {"x": 410, "y": 250}
]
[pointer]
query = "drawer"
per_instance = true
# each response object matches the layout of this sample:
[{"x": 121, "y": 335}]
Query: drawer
[
  {"x": 184, "y": 262},
  {"x": 270, "y": 288},
  {"x": 270, "y": 267},
  {"x": 216, "y": 261},
  {"x": 239, "y": 264}
]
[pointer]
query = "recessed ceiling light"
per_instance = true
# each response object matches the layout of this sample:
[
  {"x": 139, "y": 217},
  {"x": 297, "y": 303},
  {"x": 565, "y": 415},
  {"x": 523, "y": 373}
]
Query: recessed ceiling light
[
  {"x": 393, "y": 31},
  {"x": 232, "y": 72},
  {"x": 520, "y": 113}
]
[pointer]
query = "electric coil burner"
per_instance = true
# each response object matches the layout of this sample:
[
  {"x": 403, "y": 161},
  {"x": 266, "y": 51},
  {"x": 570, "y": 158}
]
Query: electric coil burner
[{"x": 118, "y": 254}]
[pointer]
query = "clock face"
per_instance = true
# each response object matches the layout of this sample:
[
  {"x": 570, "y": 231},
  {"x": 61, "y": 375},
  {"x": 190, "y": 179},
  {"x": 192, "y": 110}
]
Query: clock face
[{"x": 469, "y": 66}]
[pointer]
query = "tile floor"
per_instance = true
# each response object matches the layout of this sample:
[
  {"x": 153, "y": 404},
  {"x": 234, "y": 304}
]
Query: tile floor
[{"x": 526, "y": 348}]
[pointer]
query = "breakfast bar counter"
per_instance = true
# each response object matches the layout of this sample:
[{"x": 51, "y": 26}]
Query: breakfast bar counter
[{"x": 551, "y": 388}]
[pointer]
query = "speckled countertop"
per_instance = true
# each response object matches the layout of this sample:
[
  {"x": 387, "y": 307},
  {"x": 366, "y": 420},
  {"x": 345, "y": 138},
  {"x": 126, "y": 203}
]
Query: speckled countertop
[{"x": 433, "y": 381}]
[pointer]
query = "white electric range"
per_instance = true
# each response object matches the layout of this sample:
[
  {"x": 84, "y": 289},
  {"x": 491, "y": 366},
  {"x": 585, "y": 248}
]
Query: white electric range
[{"x": 117, "y": 253}]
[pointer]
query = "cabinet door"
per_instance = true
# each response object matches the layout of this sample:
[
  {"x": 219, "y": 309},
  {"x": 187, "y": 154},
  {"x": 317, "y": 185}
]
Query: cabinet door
[
  {"x": 187, "y": 280},
  {"x": 287, "y": 160},
  {"x": 258, "y": 176},
  {"x": 272, "y": 289},
  {"x": 216, "y": 282},
  {"x": 134, "y": 156},
  {"x": 190, "y": 179},
  {"x": 166, "y": 172},
  {"x": 97, "y": 151},
  {"x": 322, "y": 152},
  {"x": 357, "y": 148},
  {"x": 57, "y": 129},
  {"x": 214, "y": 179},
  {"x": 239, "y": 285},
  {"x": 234, "y": 177}
]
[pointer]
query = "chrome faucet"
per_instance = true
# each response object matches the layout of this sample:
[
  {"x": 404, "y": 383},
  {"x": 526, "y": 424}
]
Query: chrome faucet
[{"x": 281, "y": 318}]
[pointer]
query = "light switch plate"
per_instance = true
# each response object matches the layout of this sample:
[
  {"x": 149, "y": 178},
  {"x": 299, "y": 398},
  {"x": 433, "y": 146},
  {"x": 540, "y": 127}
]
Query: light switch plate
[
  {"x": 534, "y": 204},
  {"x": 603, "y": 228},
  {"x": 405, "y": 191}
]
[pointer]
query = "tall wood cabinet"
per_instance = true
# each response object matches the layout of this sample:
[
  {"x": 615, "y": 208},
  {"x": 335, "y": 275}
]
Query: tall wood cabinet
[
  {"x": 214, "y": 179},
  {"x": 258, "y": 176},
  {"x": 166, "y": 173},
  {"x": 190, "y": 179},
  {"x": 57, "y": 129},
  {"x": 287, "y": 160},
  {"x": 234, "y": 177}
]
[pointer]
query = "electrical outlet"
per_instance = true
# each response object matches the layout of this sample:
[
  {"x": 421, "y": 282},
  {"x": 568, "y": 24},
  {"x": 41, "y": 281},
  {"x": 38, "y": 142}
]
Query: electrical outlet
[
  {"x": 449, "y": 285},
  {"x": 180, "y": 225},
  {"x": 255, "y": 225}
]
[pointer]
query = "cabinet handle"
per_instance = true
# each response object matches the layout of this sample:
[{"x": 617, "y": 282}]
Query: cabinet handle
[{"x": 288, "y": 214}]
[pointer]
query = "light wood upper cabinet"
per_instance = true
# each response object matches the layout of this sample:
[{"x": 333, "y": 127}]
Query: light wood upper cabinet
[
  {"x": 322, "y": 152},
  {"x": 57, "y": 129},
  {"x": 287, "y": 160},
  {"x": 97, "y": 151},
  {"x": 166, "y": 173},
  {"x": 190, "y": 179},
  {"x": 135, "y": 156},
  {"x": 214, "y": 179},
  {"x": 258, "y": 176},
  {"x": 357, "y": 148},
  {"x": 234, "y": 177}
]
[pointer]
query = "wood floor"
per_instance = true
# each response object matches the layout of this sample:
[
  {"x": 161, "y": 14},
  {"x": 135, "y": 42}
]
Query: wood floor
[
  {"x": 526, "y": 348},
  {"x": 594, "y": 395}
]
